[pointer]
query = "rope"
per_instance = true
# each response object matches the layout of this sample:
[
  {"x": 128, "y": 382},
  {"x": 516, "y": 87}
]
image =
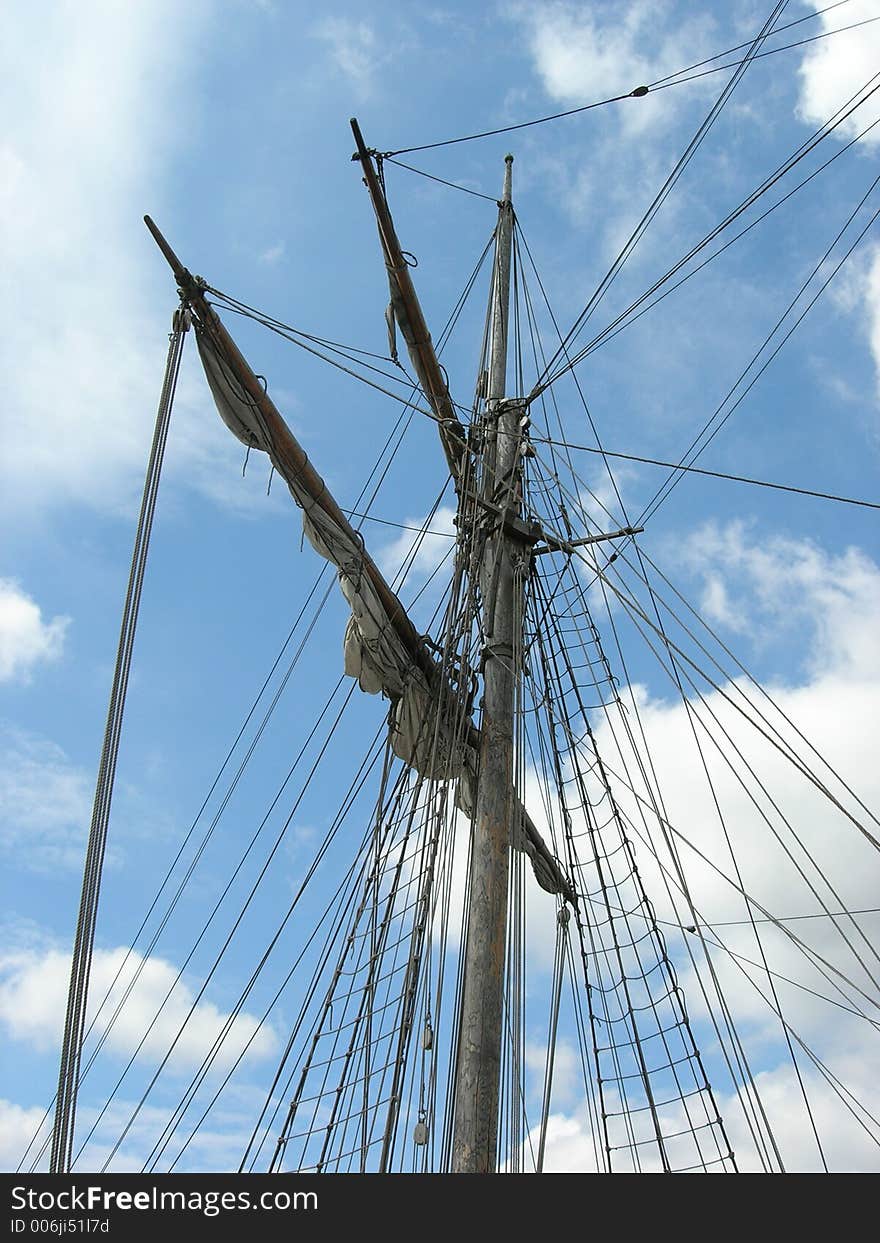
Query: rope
[
  {"x": 608, "y": 951},
  {"x": 443, "y": 182},
  {"x": 74, "y": 1024},
  {"x": 399, "y": 431},
  {"x": 739, "y": 46},
  {"x": 696, "y": 448},
  {"x": 713, "y": 474},
  {"x": 660, "y": 198},
  {"x": 639, "y": 92},
  {"x": 784, "y": 47}
]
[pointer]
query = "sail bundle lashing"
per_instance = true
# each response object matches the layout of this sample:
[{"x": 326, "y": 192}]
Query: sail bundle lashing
[{"x": 373, "y": 652}]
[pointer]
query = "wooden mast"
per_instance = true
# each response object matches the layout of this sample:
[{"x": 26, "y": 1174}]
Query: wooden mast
[
  {"x": 478, "y": 1071},
  {"x": 477, "y": 1084},
  {"x": 497, "y": 804}
]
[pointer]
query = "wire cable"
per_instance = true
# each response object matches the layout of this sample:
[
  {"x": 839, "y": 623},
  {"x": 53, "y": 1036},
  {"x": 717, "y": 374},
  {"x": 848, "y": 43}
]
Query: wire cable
[
  {"x": 672, "y": 79},
  {"x": 714, "y": 474},
  {"x": 80, "y": 971}
]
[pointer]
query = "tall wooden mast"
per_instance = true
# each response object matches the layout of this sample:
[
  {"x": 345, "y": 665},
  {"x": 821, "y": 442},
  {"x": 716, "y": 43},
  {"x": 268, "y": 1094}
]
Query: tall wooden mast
[
  {"x": 475, "y": 1133},
  {"x": 498, "y": 813},
  {"x": 477, "y": 1081}
]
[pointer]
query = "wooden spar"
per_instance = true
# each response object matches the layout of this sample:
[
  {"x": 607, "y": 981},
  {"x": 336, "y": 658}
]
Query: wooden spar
[
  {"x": 478, "y": 1068},
  {"x": 292, "y": 457},
  {"x": 421, "y": 350}
]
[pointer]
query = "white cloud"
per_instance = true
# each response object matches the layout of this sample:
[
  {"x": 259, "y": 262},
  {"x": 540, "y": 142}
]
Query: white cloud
[
  {"x": 856, "y": 292},
  {"x": 90, "y": 105},
  {"x": 46, "y": 806},
  {"x": 600, "y": 500},
  {"x": 425, "y": 552},
  {"x": 583, "y": 54},
  {"x": 355, "y": 49},
  {"x": 17, "y": 1127},
  {"x": 45, "y": 803},
  {"x": 717, "y": 605},
  {"x": 26, "y": 639},
  {"x": 217, "y": 1145},
  {"x": 571, "y": 1145},
  {"x": 831, "y": 72},
  {"x": 33, "y": 991},
  {"x": 847, "y": 1148},
  {"x": 824, "y": 605},
  {"x": 872, "y": 307},
  {"x": 780, "y": 583},
  {"x": 567, "y": 1074},
  {"x": 834, "y": 69},
  {"x": 272, "y": 254}
]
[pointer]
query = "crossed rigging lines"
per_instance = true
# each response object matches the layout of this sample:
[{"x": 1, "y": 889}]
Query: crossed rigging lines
[
  {"x": 678, "y": 78},
  {"x": 633, "y": 1145},
  {"x": 657, "y": 292},
  {"x": 632, "y": 1140},
  {"x": 354, "y": 1115}
]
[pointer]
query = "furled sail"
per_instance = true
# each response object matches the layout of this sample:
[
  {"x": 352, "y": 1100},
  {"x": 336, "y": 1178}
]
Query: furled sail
[{"x": 427, "y": 731}]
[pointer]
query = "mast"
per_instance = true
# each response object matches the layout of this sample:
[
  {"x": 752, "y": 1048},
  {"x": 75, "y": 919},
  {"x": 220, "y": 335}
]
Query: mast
[
  {"x": 501, "y": 821},
  {"x": 475, "y": 1132}
]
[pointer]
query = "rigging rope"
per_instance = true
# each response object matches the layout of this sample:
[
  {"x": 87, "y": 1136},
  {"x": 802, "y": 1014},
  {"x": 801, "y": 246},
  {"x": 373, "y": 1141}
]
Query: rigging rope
[
  {"x": 749, "y": 1097},
  {"x": 398, "y": 431},
  {"x": 626, "y": 317},
  {"x": 632, "y": 607},
  {"x": 608, "y": 953},
  {"x": 661, "y": 196},
  {"x": 697, "y": 470},
  {"x": 564, "y": 445},
  {"x": 696, "y": 448},
  {"x": 74, "y": 1024},
  {"x": 442, "y": 181},
  {"x": 639, "y": 92}
]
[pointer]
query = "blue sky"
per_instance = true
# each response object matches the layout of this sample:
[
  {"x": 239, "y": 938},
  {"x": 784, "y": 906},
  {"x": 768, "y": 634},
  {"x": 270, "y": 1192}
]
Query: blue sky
[{"x": 228, "y": 123}]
